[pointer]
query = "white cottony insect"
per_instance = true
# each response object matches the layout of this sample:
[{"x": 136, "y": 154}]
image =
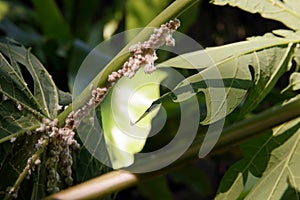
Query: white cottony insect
[
  {"x": 4, "y": 97},
  {"x": 37, "y": 162},
  {"x": 19, "y": 107},
  {"x": 59, "y": 107},
  {"x": 13, "y": 139}
]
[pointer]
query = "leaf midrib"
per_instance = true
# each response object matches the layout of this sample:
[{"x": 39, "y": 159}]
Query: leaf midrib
[
  {"x": 285, "y": 164},
  {"x": 251, "y": 160},
  {"x": 285, "y": 42},
  {"x": 36, "y": 79},
  {"x": 284, "y": 8}
]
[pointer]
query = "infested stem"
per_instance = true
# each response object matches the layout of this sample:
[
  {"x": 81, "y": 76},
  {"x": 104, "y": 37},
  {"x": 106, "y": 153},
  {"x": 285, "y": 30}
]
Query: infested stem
[
  {"x": 66, "y": 119},
  {"x": 60, "y": 139},
  {"x": 30, "y": 163},
  {"x": 143, "y": 55},
  {"x": 18, "y": 134},
  {"x": 172, "y": 11}
]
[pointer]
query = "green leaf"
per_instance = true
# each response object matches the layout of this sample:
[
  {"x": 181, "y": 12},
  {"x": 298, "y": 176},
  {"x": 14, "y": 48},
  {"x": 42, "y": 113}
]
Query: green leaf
[
  {"x": 19, "y": 109},
  {"x": 295, "y": 81},
  {"x": 27, "y": 37},
  {"x": 282, "y": 169},
  {"x": 170, "y": 12},
  {"x": 20, "y": 113},
  {"x": 272, "y": 64},
  {"x": 14, "y": 122},
  {"x": 44, "y": 87},
  {"x": 45, "y": 91},
  {"x": 39, "y": 190},
  {"x": 65, "y": 98},
  {"x": 81, "y": 15},
  {"x": 13, "y": 158},
  {"x": 51, "y": 20},
  {"x": 140, "y": 13},
  {"x": 189, "y": 17},
  {"x": 87, "y": 166},
  {"x": 287, "y": 12},
  {"x": 122, "y": 137},
  {"x": 228, "y": 67},
  {"x": 273, "y": 158},
  {"x": 4, "y": 8},
  {"x": 224, "y": 89},
  {"x": 92, "y": 138},
  {"x": 14, "y": 87}
]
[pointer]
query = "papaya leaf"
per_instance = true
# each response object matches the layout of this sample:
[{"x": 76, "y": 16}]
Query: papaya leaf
[
  {"x": 87, "y": 166},
  {"x": 45, "y": 91},
  {"x": 44, "y": 87},
  {"x": 13, "y": 121},
  {"x": 273, "y": 158},
  {"x": 21, "y": 111},
  {"x": 122, "y": 106},
  {"x": 229, "y": 66},
  {"x": 14, "y": 158},
  {"x": 39, "y": 190},
  {"x": 140, "y": 13},
  {"x": 295, "y": 81},
  {"x": 93, "y": 155},
  {"x": 287, "y": 12},
  {"x": 51, "y": 20},
  {"x": 94, "y": 148},
  {"x": 14, "y": 87},
  {"x": 11, "y": 30},
  {"x": 188, "y": 18},
  {"x": 282, "y": 169},
  {"x": 64, "y": 98}
]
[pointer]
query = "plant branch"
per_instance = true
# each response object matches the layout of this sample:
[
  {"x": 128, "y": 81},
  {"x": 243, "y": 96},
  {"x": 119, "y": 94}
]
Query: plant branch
[
  {"x": 18, "y": 134},
  {"x": 172, "y": 11},
  {"x": 26, "y": 171},
  {"x": 233, "y": 135}
]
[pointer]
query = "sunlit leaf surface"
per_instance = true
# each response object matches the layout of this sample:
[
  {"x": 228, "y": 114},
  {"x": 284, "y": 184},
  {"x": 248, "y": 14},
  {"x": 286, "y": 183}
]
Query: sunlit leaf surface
[
  {"x": 127, "y": 101},
  {"x": 287, "y": 11}
]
